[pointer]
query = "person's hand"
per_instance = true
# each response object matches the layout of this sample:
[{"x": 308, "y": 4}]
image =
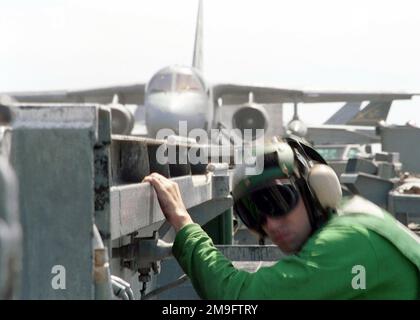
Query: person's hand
[{"x": 170, "y": 200}]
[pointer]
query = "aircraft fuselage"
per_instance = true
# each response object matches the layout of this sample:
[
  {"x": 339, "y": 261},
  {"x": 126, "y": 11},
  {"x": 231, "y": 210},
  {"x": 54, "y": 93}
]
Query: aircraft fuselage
[{"x": 177, "y": 94}]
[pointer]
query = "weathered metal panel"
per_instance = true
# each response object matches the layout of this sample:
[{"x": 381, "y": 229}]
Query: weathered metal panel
[
  {"x": 53, "y": 156},
  {"x": 102, "y": 168},
  {"x": 10, "y": 228},
  {"x": 130, "y": 160}
]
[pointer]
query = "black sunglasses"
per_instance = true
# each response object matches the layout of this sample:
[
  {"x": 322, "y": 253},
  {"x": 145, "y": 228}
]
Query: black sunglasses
[{"x": 274, "y": 200}]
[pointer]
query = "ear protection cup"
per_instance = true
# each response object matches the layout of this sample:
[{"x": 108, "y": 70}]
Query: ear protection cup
[
  {"x": 318, "y": 183},
  {"x": 321, "y": 178},
  {"x": 325, "y": 185}
]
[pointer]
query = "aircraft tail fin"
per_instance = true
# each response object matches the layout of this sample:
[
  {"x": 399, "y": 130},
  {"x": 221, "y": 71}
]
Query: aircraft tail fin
[
  {"x": 198, "y": 44},
  {"x": 374, "y": 112},
  {"x": 345, "y": 113}
]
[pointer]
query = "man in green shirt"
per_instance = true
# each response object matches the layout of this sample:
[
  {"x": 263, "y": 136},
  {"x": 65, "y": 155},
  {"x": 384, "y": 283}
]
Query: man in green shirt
[{"x": 336, "y": 248}]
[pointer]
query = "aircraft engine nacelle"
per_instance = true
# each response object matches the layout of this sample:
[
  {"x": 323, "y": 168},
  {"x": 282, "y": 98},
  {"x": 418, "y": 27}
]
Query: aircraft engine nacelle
[
  {"x": 252, "y": 117},
  {"x": 122, "y": 119}
]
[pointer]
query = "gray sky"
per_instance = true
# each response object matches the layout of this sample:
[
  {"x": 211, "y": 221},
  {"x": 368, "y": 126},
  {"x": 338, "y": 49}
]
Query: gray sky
[{"x": 300, "y": 44}]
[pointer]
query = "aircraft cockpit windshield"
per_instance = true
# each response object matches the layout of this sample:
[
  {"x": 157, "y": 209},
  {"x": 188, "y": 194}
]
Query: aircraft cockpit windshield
[
  {"x": 175, "y": 82},
  {"x": 187, "y": 82},
  {"x": 162, "y": 82}
]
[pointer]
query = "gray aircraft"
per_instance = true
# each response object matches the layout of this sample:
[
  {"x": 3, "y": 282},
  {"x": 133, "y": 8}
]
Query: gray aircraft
[
  {"x": 350, "y": 125},
  {"x": 180, "y": 93},
  {"x": 350, "y": 114}
]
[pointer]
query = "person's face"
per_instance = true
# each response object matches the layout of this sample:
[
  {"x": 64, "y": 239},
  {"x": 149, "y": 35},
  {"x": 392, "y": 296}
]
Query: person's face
[{"x": 289, "y": 232}]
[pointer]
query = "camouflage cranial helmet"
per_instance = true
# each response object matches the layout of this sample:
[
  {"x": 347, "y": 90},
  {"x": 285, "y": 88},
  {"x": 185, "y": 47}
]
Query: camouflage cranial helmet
[
  {"x": 270, "y": 193},
  {"x": 277, "y": 189}
]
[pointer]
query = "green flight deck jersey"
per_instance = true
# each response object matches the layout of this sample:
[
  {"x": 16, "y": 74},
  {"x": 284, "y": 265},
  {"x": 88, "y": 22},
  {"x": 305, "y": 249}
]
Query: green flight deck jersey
[{"x": 355, "y": 255}]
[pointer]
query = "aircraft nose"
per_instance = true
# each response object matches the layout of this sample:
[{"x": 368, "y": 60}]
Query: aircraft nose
[
  {"x": 160, "y": 101},
  {"x": 167, "y": 110},
  {"x": 173, "y": 102}
]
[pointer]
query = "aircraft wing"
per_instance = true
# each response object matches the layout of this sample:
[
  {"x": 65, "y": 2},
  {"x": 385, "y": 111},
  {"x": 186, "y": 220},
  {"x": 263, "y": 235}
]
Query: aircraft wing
[
  {"x": 233, "y": 94},
  {"x": 129, "y": 94},
  {"x": 320, "y": 96}
]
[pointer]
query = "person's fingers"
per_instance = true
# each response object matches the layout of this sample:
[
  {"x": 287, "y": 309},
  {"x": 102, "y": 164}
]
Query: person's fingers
[
  {"x": 173, "y": 187},
  {"x": 166, "y": 200},
  {"x": 158, "y": 176},
  {"x": 157, "y": 184},
  {"x": 178, "y": 192},
  {"x": 147, "y": 178},
  {"x": 164, "y": 182},
  {"x": 165, "y": 188},
  {"x": 169, "y": 185},
  {"x": 153, "y": 179},
  {"x": 152, "y": 175},
  {"x": 170, "y": 200}
]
